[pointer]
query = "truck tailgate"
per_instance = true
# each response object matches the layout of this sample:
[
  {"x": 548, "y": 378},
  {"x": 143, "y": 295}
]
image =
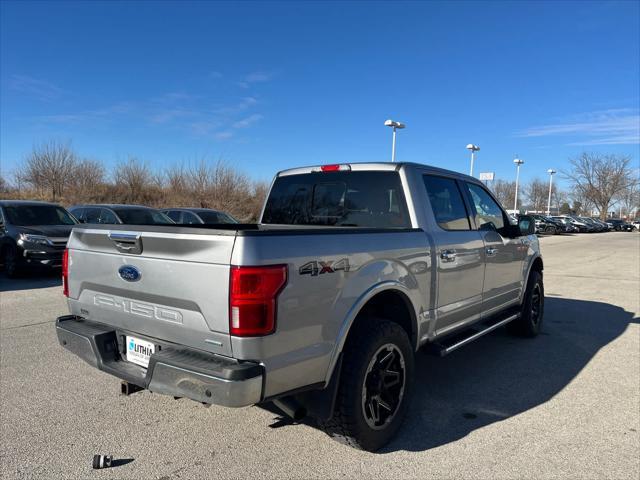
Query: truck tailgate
[{"x": 178, "y": 290}]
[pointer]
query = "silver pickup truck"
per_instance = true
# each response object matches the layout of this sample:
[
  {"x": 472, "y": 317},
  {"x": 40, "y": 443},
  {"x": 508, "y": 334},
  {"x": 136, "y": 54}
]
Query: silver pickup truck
[{"x": 318, "y": 308}]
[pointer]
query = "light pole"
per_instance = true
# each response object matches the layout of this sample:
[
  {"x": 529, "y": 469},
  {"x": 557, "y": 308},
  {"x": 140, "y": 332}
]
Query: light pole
[
  {"x": 518, "y": 162},
  {"x": 551, "y": 171},
  {"x": 474, "y": 149},
  {"x": 395, "y": 125}
]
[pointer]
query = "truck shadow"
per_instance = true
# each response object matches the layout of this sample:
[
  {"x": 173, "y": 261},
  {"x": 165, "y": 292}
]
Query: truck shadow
[
  {"x": 30, "y": 281},
  {"x": 500, "y": 376}
]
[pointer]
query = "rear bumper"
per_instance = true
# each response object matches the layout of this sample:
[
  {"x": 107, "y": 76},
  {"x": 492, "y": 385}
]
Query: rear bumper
[{"x": 173, "y": 369}]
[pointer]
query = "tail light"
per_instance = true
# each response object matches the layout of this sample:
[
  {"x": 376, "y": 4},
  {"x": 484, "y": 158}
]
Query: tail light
[
  {"x": 252, "y": 299},
  {"x": 65, "y": 273}
]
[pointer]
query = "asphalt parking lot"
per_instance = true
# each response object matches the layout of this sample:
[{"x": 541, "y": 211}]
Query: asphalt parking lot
[{"x": 563, "y": 405}]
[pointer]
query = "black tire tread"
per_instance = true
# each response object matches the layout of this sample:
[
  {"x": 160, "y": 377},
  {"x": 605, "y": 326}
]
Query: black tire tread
[
  {"x": 342, "y": 426},
  {"x": 523, "y": 326}
]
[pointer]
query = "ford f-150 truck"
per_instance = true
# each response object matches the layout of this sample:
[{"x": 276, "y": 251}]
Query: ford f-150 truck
[{"x": 318, "y": 308}]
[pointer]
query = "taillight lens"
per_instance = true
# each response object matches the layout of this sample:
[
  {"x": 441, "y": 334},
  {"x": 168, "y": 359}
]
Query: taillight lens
[
  {"x": 252, "y": 299},
  {"x": 65, "y": 273}
]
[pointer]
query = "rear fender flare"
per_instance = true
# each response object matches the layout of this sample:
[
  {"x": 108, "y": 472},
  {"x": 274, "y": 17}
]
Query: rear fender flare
[{"x": 355, "y": 310}]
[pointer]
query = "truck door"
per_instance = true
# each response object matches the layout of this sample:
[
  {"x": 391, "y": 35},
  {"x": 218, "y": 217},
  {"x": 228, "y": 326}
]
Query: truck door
[
  {"x": 459, "y": 254},
  {"x": 503, "y": 255}
]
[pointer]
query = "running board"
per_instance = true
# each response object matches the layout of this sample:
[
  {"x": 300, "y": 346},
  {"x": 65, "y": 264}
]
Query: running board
[{"x": 457, "y": 341}]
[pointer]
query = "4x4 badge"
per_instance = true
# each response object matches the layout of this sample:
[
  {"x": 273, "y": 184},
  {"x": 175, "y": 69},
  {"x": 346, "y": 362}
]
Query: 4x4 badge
[{"x": 318, "y": 267}]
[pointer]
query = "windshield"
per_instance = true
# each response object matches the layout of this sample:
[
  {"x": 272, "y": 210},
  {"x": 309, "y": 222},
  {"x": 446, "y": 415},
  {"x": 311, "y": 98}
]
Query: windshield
[
  {"x": 142, "y": 216},
  {"x": 372, "y": 199},
  {"x": 215, "y": 217},
  {"x": 26, "y": 215}
]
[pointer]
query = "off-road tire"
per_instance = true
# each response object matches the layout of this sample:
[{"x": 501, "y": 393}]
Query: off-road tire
[
  {"x": 348, "y": 424},
  {"x": 532, "y": 312}
]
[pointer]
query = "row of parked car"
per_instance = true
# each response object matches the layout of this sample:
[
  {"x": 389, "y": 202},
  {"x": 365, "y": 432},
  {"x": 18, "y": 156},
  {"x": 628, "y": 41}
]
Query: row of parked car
[
  {"x": 34, "y": 234},
  {"x": 552, "y": 225}
]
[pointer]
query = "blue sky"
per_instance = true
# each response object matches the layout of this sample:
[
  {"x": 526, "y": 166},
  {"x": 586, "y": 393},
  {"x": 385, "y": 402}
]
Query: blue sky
[{"x": 272, "y": 85}]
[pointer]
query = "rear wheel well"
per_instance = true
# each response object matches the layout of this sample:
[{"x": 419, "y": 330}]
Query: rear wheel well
[{"x": 391, "y": 305}]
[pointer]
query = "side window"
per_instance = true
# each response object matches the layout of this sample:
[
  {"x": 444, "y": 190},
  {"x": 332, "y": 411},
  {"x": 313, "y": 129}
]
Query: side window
[
  {"x": 1, "y": 217},
  {"x": 189, "y": 218},
  {"x": 92, "y": 215},
  {"x": 174, "y": 215},
  {"x": 108, "y": 217},
  {"x": 447, "y": 203},
  {"x": 488, "y": 213},
  {"x": 78, "y": 213}
]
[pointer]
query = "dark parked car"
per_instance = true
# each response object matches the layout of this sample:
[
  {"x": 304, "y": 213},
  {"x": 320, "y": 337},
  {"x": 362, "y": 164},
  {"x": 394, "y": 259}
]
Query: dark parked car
[
  {"x": 590, "y": 223},
  {"x": 621, "y": 225},
  {"x": 561, "y": 227},
  {"x": 120, "y": 214},
  {"x": 604, "y": 225},
  {"x": 195, "y": 216},
  {"x": 569, "y": 226},
  {"x": 544, "y": 225},
  {"x": 32, "y": 235}
]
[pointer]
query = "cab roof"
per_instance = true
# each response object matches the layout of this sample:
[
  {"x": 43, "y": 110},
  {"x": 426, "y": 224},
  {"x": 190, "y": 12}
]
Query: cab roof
[{"x": 379, "y": 166}]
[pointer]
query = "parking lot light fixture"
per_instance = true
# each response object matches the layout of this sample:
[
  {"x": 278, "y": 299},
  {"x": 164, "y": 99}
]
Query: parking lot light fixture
[
  {"x": 518, "y": 162},
  {"x": 396, "y": 126},
  {"x": 551, "y": 172},
  {"x": 473, "y": 148}
]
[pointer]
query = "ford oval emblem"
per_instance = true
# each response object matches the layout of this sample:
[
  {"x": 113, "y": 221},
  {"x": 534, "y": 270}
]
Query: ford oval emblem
[{"x": 129, "y": 273}]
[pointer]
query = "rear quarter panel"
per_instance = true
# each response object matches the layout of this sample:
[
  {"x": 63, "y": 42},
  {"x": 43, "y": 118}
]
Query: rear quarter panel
[{"x": 315, "y": 311}]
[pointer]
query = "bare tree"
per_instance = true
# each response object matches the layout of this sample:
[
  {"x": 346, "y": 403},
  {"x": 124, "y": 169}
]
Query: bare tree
[
  {"x": 49, "y": 168},
  {"x": 132, "y": 180},
  {"x": 87, "y": 180},
  {"x": 600, "y": 178},
  {"x": 505, "y": 192},
  {"x": 54, "y": 171},
  {"x": 629, "y": 199},
  {"x": 537, "y": 192}
]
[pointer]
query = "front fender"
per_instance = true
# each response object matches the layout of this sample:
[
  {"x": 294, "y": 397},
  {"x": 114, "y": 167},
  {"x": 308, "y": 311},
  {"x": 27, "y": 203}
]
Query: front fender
[{"x": 527, "y": 271}]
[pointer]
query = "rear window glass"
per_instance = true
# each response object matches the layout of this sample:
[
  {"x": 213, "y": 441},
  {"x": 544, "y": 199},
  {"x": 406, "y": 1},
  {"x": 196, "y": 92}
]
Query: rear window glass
[{"x": 347, "y": 199}]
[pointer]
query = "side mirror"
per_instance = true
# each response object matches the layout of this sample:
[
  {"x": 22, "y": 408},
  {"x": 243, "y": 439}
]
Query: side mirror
[{"x": 526, "y": 224}]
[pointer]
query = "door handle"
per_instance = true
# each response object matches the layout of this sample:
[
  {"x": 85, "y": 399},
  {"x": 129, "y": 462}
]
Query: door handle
[
  {"x": 491, "y": 251},
  {"x": 448, "y": 255}
]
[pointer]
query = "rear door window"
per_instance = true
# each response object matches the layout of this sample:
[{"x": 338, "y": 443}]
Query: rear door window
[
  {"x": 447, "y": 203},
  {"x": 78, "y": 213},
  {"x": 174, "y": 215},
  {"x": 108, "y": 217},
  {"x": 189, "y": 218},
  {"x": 372, "y": 199},
  {"x": 92, "y": 215}
]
